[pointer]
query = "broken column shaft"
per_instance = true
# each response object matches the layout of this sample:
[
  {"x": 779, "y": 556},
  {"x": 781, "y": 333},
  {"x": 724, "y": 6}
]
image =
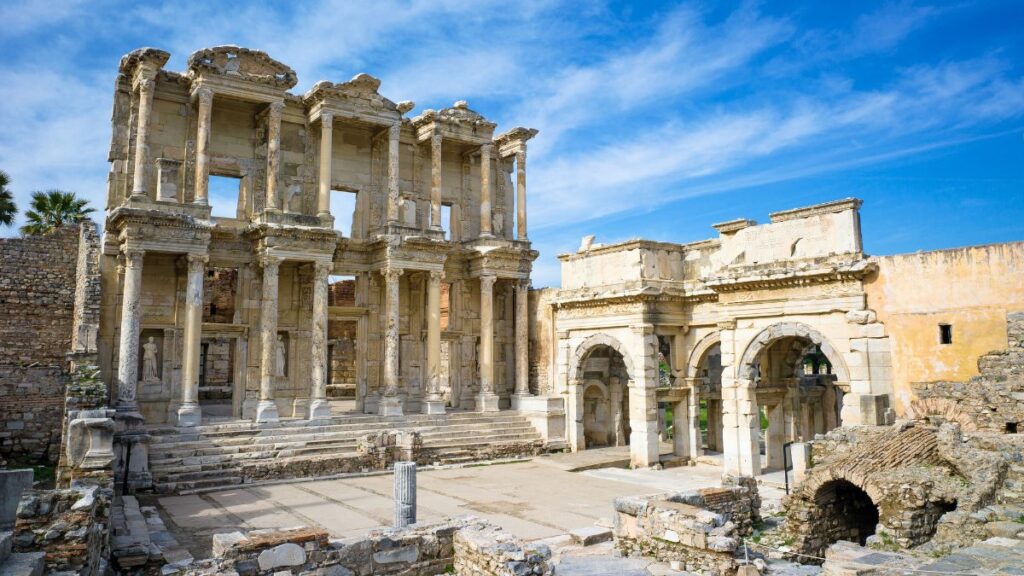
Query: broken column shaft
[{"x": 405, "y": 494}]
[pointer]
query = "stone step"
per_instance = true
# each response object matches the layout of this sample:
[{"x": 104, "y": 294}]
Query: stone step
[
  {"x": 172, "y": 487},
  {"x": 23, "y": 564}
]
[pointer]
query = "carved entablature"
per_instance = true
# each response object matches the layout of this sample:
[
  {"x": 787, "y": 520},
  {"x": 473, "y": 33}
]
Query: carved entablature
[
  {"x": 817, "y": 272},
  {"x": 293, "y": 242},
  {"x": 358, "y": 100},
  {"x": 514, "y": 140},
  {"x": 458, "y": 123},
  {"x": 159, "y": 232},
  {"x": 143, "y": 63},
  {"x": 635, "y": 307},
  {"x": 506, "y": 260},
  {"x": 242, "y": 63}
]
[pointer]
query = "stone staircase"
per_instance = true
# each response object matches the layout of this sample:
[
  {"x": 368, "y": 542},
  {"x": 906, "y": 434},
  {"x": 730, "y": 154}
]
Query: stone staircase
[{"x": 216, "y": 455}]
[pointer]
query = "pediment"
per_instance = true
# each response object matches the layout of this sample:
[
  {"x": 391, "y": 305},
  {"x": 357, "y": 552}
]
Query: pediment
[{"x": 243, "y": 64}]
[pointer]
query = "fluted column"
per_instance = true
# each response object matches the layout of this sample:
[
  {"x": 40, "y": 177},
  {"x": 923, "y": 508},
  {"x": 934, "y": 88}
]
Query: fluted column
[
  {"x": 146, "y": 87},
  {"x": 273, "y": 155},
  {"x": 521, "y": 193},
  {"x": 434, "y": 403},
  {"x": 326, "y": 150},
  {"x": 131, "y": 319},
  {"x": 266, "y": 410},
  {"x": 435, "y": 181},
  {"x": 485, "y": 190},
  {"x": 522, "y": 338},
  {"x": 189, "y": 413},
  {"x": 393, "y": 198},
  {"x": 202, "y": 177},
  {"x": 405, "y": 494},
  {"x": 390, "y": 403},
  {"x": 318, "y": 406},
  {"x": 487, "y": 400}
]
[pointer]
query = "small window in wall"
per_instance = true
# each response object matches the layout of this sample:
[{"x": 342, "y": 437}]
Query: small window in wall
[
  {"x": 1011, "y": 427},
  {"x": 343, "y": 208},
  {"x": 945, "y": 334},
  {"x": 224, "y": 192},
  {"x": 446, "y": 219}
]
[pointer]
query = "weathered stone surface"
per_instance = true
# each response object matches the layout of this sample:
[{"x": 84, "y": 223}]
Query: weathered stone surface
[{"x": 283, "y": 555}]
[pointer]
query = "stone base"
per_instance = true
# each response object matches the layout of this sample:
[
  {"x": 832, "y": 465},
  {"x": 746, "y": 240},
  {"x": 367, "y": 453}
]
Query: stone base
[
  {"x": 389, "y": 406},
  {"x": 433, "y": 407},
  {"x": 319, "y": 410},
  {"x": 300, "y": 408},
  {"x": 189, "y": 415},
  {"x": 487, "y": 403},
  {"x": 266, "y": 411}
]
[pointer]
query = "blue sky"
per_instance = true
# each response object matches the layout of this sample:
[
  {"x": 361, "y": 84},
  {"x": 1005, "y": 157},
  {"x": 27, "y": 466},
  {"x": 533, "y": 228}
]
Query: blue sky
[{"x": 656, "y": 119}]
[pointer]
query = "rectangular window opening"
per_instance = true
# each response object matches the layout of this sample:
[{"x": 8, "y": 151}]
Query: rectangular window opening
[
  {"x": 219, "y": 288},
  {"x": 446, "y": 219},
  {"x": 224, "y": 192},
  {"x": 341, "y": 290},
  {"x": 1011, "y": 427},
  {"x": 945, "y": 334},
  {"x": 343, "y": 208}
]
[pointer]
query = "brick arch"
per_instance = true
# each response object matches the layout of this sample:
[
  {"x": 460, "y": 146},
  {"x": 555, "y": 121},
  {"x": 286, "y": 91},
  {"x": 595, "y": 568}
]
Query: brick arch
[
  {"x": 921, "y": 408},
  {"x": 776, "y": 332},
  {"x": 600, "y": 339},
  {"x": 699, "y": 350},
  {"x": 817, "y": 479}
]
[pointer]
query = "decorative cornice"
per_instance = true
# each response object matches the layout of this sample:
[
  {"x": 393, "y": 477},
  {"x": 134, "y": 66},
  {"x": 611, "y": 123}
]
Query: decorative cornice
[
  {"x": 759, "y": 279},
  {"x": 241, "y": 63}
]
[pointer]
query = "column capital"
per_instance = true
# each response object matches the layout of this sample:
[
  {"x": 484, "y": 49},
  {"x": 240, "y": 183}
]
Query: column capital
[
  {"x": 133, "y": 256},
  {"x": 436, "y": 275},
  {"x": 276, "y": 108},
  {"x": 196, "y": 262},
  {"x": 146, "y": 84},
  {"x": 394, "y": 131},
  {"x": 391, "y": 274},
  {"x": 486, "y": 148},
  {"x": 326, "y": 119},
  {"x": 204, "y": 96},
  {"x": 322, "y": 270},
  {"x": 488, "y": 280},
  {"x": 524, "y": 283},
  {"x": 270, "y": 262}
]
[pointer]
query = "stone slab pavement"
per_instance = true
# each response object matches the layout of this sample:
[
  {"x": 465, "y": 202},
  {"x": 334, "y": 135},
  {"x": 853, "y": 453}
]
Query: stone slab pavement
[{"x": 532, "y": 499}]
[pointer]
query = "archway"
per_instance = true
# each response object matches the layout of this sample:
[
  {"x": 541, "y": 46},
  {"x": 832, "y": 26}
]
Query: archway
[
  {"x": 842, "y": 511},
  {"x": 705, "y": 367},
  {"x": 602, "y": 396},
  {"x": 799, "y": 381}
]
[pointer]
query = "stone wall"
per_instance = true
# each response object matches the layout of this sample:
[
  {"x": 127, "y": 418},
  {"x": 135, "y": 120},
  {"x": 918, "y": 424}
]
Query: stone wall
[
  {"x": 68, "y": 525},
  {"x": 702, "y": 529},
  {"x": 46, "y": 307},
  {"x": 464, "y": 546},
  {"x": 992, "y": 401}
]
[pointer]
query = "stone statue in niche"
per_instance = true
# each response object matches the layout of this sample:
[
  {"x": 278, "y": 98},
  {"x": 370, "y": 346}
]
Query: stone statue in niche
[
  {"x": 149, "y": 361},
  {"x": 293, "y": 193},
  {"x": 498, "y": 223},
  {"x": 281, "y": 356}
]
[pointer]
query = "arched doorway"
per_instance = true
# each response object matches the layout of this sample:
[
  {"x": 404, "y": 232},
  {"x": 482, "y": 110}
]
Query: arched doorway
[
  {"x": 841, "y": 511},
  {"x": 705, "y": 368},
  {"x": 602, "y": 397},
  {"x": 799, "y": 382}
]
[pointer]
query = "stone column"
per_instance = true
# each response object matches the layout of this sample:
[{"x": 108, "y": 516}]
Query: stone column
[
  {"x": 434, "y": 403},
  {"x": 521, "y": 193},
  {"x": 681, "y": 430},
  {"x": 693, "y": 406},
  {"x": 643, "y": 400},
  {"x": 273, "y": 155},
  {"x": 202, "y": 177},
  {"x": 522, "y": 338},
  {"x": 618, "y": 418},
  {"x": 775, "y": 436},
  {"x": 391, "y": 404},
  {"x": 146, "y": 87},
  {"x": 189, "y": 413},
  {"x": 485, "y": 190},
  {"x": 393, "y": 197},
  {"x": 266, "y": 410},
  {"x": 435, "y": 181},
  {"x": 405, "y": 494},
  {"x": 319, "y": 408},
  {"x": 326, "y": 150},
  {"x": 131, "y": 320},
  {"x": 487, "y": 400}
]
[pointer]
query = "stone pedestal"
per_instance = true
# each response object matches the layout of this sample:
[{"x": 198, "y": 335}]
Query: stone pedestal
[
  {"x": 433, "y": 406},
  {"x": 189, "y": 415},
  {"x": 487, "y": 402},
  {"x": 319, "y": 410},
  {"x": 266, "y": 411},
  {"x": 390, "y": 406}
]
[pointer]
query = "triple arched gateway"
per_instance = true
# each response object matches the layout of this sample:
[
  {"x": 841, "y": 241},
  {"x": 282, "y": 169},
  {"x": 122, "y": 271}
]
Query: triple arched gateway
[{"x": 729, "y": 347}]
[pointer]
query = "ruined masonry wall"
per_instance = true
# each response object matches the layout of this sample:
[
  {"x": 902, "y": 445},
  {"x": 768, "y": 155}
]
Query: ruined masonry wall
[{"x": 39, "y": 322}]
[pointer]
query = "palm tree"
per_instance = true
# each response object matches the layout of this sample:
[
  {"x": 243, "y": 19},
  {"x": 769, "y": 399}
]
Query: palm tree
[
  {"x": 7, "y": 207},
  {"x": 53, "y": 209}
]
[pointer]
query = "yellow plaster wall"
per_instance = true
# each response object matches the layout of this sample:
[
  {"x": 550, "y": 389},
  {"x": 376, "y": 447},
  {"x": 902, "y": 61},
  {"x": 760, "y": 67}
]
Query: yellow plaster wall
[{"x": 970, "y": 288}]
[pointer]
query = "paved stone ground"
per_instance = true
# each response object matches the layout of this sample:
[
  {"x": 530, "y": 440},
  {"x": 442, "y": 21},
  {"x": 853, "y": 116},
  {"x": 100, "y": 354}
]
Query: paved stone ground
[{"x": 531, "y": 499}]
